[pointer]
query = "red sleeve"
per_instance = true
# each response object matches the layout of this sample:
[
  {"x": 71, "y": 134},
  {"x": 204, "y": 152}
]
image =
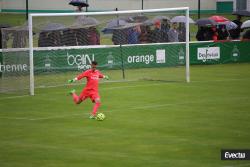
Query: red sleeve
[
  {"x": 101, "y": 75},
  {"x": 82, "y": 75}
]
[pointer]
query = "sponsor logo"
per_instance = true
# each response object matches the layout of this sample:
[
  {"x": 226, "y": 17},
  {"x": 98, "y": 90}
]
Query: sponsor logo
[
  {"x": 83, "y": 62},
  {"x": 160, "y": 56},
  {"x": 147, "y": 59},
  {"x": 13, "y": 67},
  {"x": 110, "y": 60},
  {"x": 208, "y": 53},
  {"x": 235, "y": 154},
  {"x": 94, "y": 77}
]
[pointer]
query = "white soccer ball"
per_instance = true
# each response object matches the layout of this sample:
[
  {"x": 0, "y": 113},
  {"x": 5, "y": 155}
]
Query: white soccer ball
[{"x": 100, "y": 117}]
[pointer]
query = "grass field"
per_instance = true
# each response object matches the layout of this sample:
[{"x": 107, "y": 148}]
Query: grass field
[{"x": 149, "y": 123}]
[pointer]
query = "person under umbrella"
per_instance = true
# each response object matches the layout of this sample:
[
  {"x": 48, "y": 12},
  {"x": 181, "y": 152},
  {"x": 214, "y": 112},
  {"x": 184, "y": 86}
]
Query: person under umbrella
[
  {"x": 245, "y": 25},
  {"x": 173, "y": 34},
  {"x": 246, "y": 35},
  {"x": 51, "y": 35},
  {"x": 222, "y": 32},
  {"x": 219, "y": 19},
  {"x": 79, "y": 4},
  {"x": 181, "y": 19},
  {"x": 205, "y": 22},
  {"x": 235, "y": 33}
]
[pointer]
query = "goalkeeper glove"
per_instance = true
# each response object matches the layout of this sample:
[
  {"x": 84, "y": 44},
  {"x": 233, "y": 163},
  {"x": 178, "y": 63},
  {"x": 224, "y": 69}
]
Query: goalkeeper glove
[
  {"x": 72, "y": 80},
  {"x": 106, "y": 77}
]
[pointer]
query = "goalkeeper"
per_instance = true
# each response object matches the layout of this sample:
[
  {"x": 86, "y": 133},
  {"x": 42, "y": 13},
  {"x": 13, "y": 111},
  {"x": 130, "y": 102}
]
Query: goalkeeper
[{"x": 91, "y": 89}]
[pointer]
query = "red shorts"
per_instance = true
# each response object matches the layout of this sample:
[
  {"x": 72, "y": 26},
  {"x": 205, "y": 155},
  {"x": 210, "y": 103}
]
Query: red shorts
[{"x": 89, "y": 94}]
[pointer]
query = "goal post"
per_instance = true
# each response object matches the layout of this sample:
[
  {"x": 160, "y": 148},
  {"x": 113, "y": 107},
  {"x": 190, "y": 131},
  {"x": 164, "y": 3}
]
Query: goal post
[{"x": 62, "y": 45}]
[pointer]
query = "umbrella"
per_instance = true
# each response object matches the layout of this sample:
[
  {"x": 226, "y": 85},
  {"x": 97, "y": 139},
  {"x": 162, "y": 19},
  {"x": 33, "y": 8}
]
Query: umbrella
[
  {"x": 205, "y": 22},
  {"x": 86, "y": 21},
  {"x": 242, "y": 13},
  {"x": 81, "y": 3},
  {"x": 230, "y": 25},
  {"x": 116, "y": 23},
  {"x": 137, "y": 19},
  {"x": 156, "y": 19},
  {"x": 219, "y": 19},
  {"x": 53, "y": 26},
  {"x": 245, "y": 24},
  {"x": 181, "y": 19},
  {"x": 160, "y": 18}
]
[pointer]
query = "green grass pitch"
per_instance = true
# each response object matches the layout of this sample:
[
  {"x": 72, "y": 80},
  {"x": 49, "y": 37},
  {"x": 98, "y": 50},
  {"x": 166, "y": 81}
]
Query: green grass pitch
[{"x": 148, "y": 123}]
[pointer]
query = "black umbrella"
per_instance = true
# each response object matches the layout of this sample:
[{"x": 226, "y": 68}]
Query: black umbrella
[
  {"x": 205, "y": 22},
  {"x": 242, "y": 13},
  {"x": 80, "y": 3}
]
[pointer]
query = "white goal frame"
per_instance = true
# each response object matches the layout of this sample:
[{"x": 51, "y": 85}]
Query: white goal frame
[{"x": 31, "y": 48}]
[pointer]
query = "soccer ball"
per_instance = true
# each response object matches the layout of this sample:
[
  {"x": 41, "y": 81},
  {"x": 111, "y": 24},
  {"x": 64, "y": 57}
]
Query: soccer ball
[{"x": 100, "y": 117}]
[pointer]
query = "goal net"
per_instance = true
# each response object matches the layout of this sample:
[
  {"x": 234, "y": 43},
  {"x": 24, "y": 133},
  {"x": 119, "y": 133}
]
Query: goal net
[
  {"x": 14, "y": 61},
  {"x": 136, "y": 45}
]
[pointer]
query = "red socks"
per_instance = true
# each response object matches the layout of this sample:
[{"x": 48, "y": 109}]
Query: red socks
[
  {"x": 96, "y": 106},
  {"x": 77, "y": 101},
  {"x": 75, "y": 98}
]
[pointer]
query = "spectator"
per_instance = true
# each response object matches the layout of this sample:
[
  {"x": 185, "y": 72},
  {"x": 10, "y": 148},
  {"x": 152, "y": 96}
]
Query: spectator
[
  {"x": 165, "y": 26},
  {"x": 119, "y": 36},
  {"x": 144, "y": 35},
  {"x": 214, "y": 33},
  {"x": 246, "y": 35},
  {"x": 81, "y": 36},
  {"x": 49, "y": 38},
  {"x": 222, "y": 32},
  {"x": 173, "y": 34},
  {"x": 79, "y": 9},
  {"x": 133, "y": 35},
  {"x": 93, "y": 36},
  {"x": 201, "y": 33},
  {"x": 182, "y": 32},
  {"x": 235, "y": 33},
  {"x": 156, "y": 35}
]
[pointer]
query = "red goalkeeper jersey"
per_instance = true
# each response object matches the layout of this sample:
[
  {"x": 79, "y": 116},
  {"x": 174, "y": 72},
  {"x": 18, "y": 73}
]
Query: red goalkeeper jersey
[{"x": 92, "y": 79}]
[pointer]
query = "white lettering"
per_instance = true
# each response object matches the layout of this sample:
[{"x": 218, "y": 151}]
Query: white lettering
[
  {"x": 81, "y": 61},
  {"x": 13, "y": 67},
  {"x": 141, "y": 59},
  {"x": 235, "y": 155}
]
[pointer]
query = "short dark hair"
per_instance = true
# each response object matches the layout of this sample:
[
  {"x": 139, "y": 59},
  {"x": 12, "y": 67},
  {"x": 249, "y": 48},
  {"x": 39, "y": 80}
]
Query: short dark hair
[{"x": 94, "y": 62}]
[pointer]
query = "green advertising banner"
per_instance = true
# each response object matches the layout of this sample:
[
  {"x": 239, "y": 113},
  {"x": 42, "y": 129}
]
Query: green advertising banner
[
  {"x": 219, "y": 52},
  {"x": 110, "y": 58},
  {"x": 139, "y": 56}
]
